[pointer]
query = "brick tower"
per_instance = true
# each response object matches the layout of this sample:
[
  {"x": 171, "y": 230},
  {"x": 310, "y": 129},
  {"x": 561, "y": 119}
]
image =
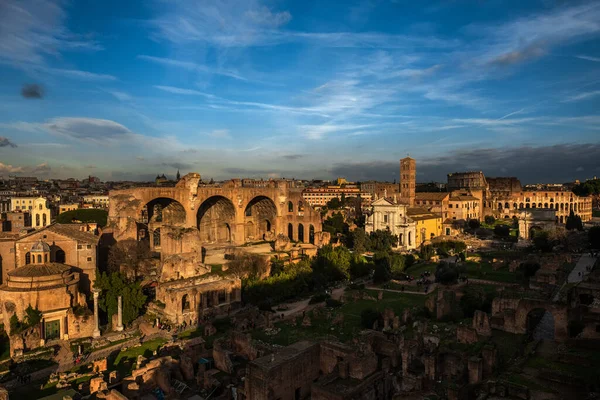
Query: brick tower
[{"x": 408, "y": 180}]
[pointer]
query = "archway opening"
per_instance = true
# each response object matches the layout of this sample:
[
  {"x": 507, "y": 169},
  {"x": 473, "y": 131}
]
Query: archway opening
[
  {"x": 540, "y": 324},
  {"x": 311, "y": 234},
  {"x": 185, "y": 303},
  {"x": 301, "y": 233},
  {"x": 291, "y": 231},
  {"x": 215, "y": 217},
  {"x": 258, "y": 217},
  {"x": 58, "y": 255},
  {"x": 163, "y": 210}
]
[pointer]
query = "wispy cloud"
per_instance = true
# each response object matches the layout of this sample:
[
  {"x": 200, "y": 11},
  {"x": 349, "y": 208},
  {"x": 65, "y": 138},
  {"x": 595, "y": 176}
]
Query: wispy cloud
[
  {"x": 582, "y": 96},
  {"x": 192, "y": 67},
  {"x": 220, "y": 134},
  {"x": 589, "y": 58},
  {"x": 77, "y": 74},
  {"x": 34, "y": 29},
  {"x": 182, "y": 91}
]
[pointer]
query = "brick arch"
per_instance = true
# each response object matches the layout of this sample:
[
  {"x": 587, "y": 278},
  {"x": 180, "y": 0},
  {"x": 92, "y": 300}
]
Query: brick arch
[
  {"x": 215, "y": 218},
  {"x": 260, "y": 217},
  {"x": 559, "y": 313}
]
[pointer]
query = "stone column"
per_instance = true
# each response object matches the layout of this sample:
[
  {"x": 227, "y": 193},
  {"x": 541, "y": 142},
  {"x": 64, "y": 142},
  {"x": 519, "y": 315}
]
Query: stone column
[
  {"x": 96, "y": 332},
  {"x": 119, "y": 327}
]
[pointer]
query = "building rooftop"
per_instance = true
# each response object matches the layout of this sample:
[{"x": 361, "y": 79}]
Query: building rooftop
[
  {"x": 284, "y": 355},
  {"x": 431, "y": 195},
  {"x": 39, "y": 270}
]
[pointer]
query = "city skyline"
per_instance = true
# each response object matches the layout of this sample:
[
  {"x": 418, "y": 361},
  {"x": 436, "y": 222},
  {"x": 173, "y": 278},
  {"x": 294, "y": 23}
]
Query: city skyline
[{"x": 288, "y": 89}]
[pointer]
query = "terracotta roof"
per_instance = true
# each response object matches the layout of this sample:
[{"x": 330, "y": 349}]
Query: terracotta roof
[
  {"x": 67, "y": 230},
  {"x": 431, "y": 195},
  {"x": 463, "y": 197},
  {"x": 37, "y": 270}
]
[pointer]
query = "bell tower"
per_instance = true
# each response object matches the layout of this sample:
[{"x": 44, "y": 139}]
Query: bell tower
[{"x": 408, "y": 180}]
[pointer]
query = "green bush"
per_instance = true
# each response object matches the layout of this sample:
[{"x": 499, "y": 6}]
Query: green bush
[
  {"x": 489, "y": 219},
  {"x": 446, "y": 274},
  {"x": 333, "y": 303},
  {"x": 427, "y": 252},
  {"x": 502, "y": 230},
  {"x": 409, "y": 260},
  {"x": 355, "y": 286},
  {"x": 474, "y": 224},
  {"x": 368, "y": 317},
  {"x": 318, "y": 298}
]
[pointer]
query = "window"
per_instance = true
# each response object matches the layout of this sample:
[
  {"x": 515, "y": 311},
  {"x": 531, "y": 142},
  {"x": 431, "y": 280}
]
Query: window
[
  {"x": 79, "y": 247},
  {"x": 385, "y": 218},
  {"x": 89, "y": 246},
  {"x": 89, "y": 258}
]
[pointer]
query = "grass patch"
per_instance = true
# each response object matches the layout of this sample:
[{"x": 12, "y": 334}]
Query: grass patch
[
  {"x": 84, "y": 215},
  {"x": 485, "y": 271},
  {"x": 417, "y": 269},
  {"x": 525, "y": 381},
  {"x": 32, "y": 391},
  {"x": 596, "y": 213},
  {"x": 126, "y": 360},
  {"x": 351, "y": 310}
]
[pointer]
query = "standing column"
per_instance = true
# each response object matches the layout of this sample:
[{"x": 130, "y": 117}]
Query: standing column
[
  {"x": 119, "y": 326},
  {"x": 96, "y": 332}
]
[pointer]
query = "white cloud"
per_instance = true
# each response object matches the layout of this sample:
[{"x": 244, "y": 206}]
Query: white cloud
[
  {"x": 9, "y": 169},
  {"x": 589, "y": 58},
  {"x": 193, "y": 67},
  {"x": 220, "y": 134},
  {"x": 77, "y": 74},
  {"x": 186, "y": 92},
  {"x": 93, "y": 129},
  {"x": 122, "y": 96},
  {"x": 34, "y": 29},
  {"x": 582, "y": 96}
]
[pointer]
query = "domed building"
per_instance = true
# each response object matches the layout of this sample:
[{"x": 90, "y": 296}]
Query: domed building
[{"x": 50, "y": 287}]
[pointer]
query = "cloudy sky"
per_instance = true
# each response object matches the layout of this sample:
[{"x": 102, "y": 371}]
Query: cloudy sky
[{"x": 129, "y": 89}]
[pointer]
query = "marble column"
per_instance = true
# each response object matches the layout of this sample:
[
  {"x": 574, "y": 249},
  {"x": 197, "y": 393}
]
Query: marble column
[
  {"x": 119, "y": 327},
  {"x": 96, "y": 332}
]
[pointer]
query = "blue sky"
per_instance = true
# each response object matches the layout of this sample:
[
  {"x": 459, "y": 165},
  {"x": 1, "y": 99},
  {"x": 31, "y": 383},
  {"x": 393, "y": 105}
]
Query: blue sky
[{"x": 126, "y": 90}]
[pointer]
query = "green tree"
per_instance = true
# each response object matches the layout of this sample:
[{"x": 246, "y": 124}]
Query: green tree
[
  {"x": 33, "y": 316},
  {"x": 333, "y": 263},
  {"x": 358, "y": 241},
  {"x": 474, "y": 224},
  {"x": 83, "y": 215},
  {"x": 594, "y": 237},
  {"x": 574, "y": 222},
  {"x": 127, "y": 256},
  {"x": 446, "y": 273},
  {"x": 336, "y": 224},
  {"x": 542, "y": 242},
  {"x": 427, "y": 252},
  {"x": 475, "y": 298},
  {"x": 382, "y": 241},
  {"x": 115, "y": 284},
  {"x": 489, "y": 219},
  {"x": 502, "y": 230}
]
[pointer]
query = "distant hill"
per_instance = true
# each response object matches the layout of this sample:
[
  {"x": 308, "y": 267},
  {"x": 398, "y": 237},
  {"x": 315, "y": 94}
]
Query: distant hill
[{"x": 83, "y": 215}]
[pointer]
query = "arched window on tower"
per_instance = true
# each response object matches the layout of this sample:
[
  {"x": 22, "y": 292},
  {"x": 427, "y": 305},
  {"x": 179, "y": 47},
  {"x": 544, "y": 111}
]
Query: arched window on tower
[
  {"x": 290, "y": 206},
  {"x": 27, "y": 258},
  {"x": 185, "y": 303}
]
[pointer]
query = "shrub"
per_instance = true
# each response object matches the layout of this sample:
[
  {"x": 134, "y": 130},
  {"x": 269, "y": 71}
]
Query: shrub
[
  {"x": 474, "y": 224},
  {"x": 427, "y": 252},
  {"x": 409, "y": 260},
  {"x": 446, "y": 274},
  {"x": 382, "y": 273},
  {"x": 333, "y": 303},
  {"x": 318, "y": 298},
  {"x": 355, "y": 286},
  {"x": 502, "y": 230},
  {"x": 368, "y": 317},
  {"x": 489, "y": 219}
]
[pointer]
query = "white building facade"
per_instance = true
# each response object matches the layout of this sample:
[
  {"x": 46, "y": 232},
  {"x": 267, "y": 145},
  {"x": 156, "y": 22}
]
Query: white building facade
[{"x": 388, "y": 214}]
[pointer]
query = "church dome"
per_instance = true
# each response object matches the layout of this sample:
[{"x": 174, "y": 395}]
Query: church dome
[{"x": 40, "y": 247}]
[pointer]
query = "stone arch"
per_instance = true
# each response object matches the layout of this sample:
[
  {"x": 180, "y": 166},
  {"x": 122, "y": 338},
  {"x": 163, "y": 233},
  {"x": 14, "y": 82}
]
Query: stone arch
[
  {"x": 533, "y": 205},
  {"x": 300, "y": 206},
  {"x": 259, "y": 216},
  {"x": 185, "y": 303},
  {"x": 401, "y": 239},
  {"x": 520, "y": 205},
  {"x": 540, "y": 323},
  {"x": 499, "y": 206},
  {"x": 506, "y": 205},
  {"x": 527, "y": 205},
  {"x": 214, "y": 219},
  {"x": 311, "y": 234},
  {"x": 515, "y": 206},
  {"x": 291, "y": 231},
  {"x": 545, "y": 205},
  {"x": 540, "y": 205},
  {"x": 558, "y": 314},
  {"x": 290, "y": 207},
  {"x": 163, "y": 210},
  {"x": 57, "y": 254},
  {"x": 301, "y": 233}
]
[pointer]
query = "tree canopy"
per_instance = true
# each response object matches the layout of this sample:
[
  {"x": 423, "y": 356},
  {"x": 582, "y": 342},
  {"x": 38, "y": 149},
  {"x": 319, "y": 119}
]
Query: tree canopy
[
  {"x": 84, "y": 215},
  {"x": 574, "y": 222},
  {"x": 115, "y": 284}
]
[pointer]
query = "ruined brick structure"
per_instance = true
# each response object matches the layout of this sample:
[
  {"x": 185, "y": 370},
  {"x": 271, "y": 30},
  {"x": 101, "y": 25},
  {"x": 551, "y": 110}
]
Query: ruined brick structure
[{"x": 230, "y": 214}]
